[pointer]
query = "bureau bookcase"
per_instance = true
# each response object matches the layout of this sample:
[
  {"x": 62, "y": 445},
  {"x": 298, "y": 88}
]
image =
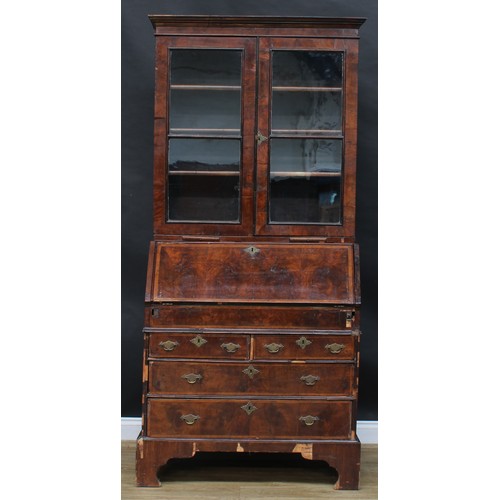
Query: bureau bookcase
[{"x": 251, "y": 327}]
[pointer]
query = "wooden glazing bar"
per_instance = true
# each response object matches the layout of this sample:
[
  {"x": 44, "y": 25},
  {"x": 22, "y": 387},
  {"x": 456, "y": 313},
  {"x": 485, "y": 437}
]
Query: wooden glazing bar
[
  {"x": 306, "y": 174},
  {"x": 307, "y": 89},
  {"x": 205, "y": 87},
  {"x": 309, "y": 132},
  {"x": 181, "y": 130},
  {"x": 220, "y": 173}
]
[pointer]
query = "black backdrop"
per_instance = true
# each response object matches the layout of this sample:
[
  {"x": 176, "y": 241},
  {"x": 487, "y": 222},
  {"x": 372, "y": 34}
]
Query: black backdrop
[{"x": 137, "y": 169}]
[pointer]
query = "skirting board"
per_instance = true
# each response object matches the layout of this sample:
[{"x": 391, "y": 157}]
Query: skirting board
[{"x": 367, "y": 430}]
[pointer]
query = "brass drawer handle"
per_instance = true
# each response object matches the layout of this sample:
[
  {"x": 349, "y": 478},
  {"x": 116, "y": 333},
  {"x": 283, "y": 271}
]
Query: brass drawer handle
[
  {"x": 334, "y": 348},
  {"x": 168, "y": 345},
  {"x": 230, "y": 347},
  {"x": 303, "y": 342},
  {"x": 274, "y": 348},
  {"x": 198, "y": 341},
  {"x": 309, "y": 379},
  {"x": 309, "y": 419},
  {"x": 190, "y": 419},
  {"x": 192, "y": 378}
]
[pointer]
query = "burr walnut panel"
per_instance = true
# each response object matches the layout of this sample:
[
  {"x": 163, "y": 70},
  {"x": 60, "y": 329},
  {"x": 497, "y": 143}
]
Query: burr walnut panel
[{"x": 261, "y": 272}]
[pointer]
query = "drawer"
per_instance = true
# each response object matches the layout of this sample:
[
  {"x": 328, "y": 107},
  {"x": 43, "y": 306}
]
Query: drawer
[
  {"x": 233, "y": 379},
  {"x": 306, "y": 346},
  {"x": 247, "y": 418},
  {"x": 198, "y": 345},
  {"x": 245, "y": 316}
]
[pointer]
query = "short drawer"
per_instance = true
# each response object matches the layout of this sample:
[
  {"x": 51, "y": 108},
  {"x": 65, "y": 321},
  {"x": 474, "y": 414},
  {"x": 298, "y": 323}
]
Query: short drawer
[
  {"x": 233, "y": 379},
  {"x": 247, "y": 418},
  {"x": 198, "y": 345},
  {"x": 306, "y": 346}
]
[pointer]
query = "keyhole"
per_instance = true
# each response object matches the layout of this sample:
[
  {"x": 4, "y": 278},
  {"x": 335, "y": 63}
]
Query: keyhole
[{"x": 252, "y": 251}]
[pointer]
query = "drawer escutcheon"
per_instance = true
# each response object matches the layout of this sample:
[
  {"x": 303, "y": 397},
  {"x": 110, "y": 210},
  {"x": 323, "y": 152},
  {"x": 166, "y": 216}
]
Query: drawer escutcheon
[
  {"x": 251, "y": 371},
  {"x": 303, "y": 342},
  {"x": 249, "y": 408},
  {"x": 198, "y": 341}
]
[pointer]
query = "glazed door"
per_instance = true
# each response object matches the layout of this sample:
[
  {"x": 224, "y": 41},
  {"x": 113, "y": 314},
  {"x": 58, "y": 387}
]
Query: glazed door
[
  {"x": 204, "y": 135},
  {"x": 306, "y": 137}
]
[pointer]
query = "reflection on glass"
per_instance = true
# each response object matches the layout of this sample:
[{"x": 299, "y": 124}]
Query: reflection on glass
[
  {"x": 307, "y": 111},
  {"x": 307, "y": 69},
  {"x": 216, "y": 112},
  {"x": 205, "y": 67},
  {"x": 305, "y": 200},
  {"x": 306, "y": 155},
  {"x": 221, "y": 155},
  {"x": 203, "y": 198}
]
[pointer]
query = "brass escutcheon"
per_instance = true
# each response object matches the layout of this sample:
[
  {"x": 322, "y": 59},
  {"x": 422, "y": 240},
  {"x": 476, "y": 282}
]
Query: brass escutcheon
[
  {"x": 309, "y": 419},
  {"x": 303, "y": 342},
  {"x": 192, "y": 378},
  {"x": 260, "y": 138},
  {"x": 168, "y": 345},
  {"x": 198, "y": 341},
  {"x": 273, "y": 348},
  {"x": 249, "y": 408},
  {"x": 251, "y": 371},
  {"x": 309, "y": 379},
  {"x": 230, "y": 347},
  {"x": 252, "y": 251},
  {"x": 190, "y": 419},
  {"x": 334, "y": 348}
]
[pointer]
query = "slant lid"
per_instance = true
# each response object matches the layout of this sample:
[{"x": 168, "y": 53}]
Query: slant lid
[{"x": 243, "y": 272}]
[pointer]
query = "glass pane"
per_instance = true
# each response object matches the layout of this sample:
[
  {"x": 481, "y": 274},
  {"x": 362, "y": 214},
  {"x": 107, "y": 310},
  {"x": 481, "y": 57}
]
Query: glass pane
[
  {"x": 222, "y": 155},
  {"x": 305, "y": 200},
  {"x": 306, "y": 111},
  {"x": 205, "y": 67},
  {"x": 205, "y": 111},
  {"x": 307, "y": 69},
  {"x": 306, "y": 155},
  {"x": 203, "y": 198}
]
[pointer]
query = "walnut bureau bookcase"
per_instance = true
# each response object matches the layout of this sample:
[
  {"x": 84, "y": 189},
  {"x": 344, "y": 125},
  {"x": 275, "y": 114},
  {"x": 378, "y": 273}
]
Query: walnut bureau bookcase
[{"x": 251, "y": 337}]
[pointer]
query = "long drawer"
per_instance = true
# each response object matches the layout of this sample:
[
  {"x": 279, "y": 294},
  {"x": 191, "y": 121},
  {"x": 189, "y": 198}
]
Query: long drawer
[
  {"x": 259, "y": 378},
  {"x": 248, "y": 316},
  {"x": 247, "y": 418}
]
